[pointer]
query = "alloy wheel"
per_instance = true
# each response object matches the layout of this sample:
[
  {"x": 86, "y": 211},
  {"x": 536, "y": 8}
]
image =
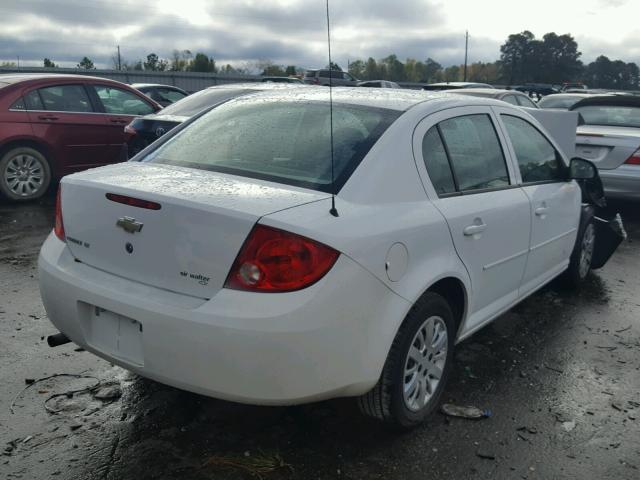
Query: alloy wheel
[
  {"x": 425, "y": 362},
  {"x": 586, "y": 250},
  {"x": 24, "y": 175}
]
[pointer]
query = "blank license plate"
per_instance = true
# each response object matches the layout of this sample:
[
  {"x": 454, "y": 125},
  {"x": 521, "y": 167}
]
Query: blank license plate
[{"x": 116, "y": 335}]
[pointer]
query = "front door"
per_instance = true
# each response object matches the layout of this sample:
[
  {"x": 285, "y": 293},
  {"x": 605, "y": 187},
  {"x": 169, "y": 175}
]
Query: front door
[
  {"x": 554, "y": 200},
  {"x": 473, "y": 186}
]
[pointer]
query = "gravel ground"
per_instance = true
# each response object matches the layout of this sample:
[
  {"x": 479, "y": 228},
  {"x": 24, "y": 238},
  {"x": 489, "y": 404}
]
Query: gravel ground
[{"x": 560, "y": 374}]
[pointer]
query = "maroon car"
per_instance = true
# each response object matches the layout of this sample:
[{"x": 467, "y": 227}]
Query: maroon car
[{"x": 53, "y": 125}]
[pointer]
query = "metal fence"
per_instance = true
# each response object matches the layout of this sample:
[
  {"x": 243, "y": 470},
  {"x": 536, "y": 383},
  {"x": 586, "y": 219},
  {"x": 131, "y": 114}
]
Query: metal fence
[{"x": 189, "y": 81}]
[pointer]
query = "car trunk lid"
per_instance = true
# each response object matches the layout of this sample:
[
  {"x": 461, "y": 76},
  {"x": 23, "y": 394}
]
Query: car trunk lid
[
  {"x": 187, "y": 245},
  {"x": 607, "y": 147}
]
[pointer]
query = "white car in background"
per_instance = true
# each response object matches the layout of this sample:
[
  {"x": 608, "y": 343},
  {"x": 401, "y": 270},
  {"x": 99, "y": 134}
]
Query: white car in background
[
  {"x": 215, "y": 263},
  {"x": 610, "y": 138}
]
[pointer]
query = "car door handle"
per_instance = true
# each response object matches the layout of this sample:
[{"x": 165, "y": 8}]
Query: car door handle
[
  {"x": 541, "y": 211},
  {"x": 119, "y": 121},
  {"x": 47, "y": 117},
  {"x": 474, "y": 229}
]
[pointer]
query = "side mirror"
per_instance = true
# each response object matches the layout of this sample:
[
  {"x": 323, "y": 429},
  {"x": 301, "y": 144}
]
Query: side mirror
[{"x": 581, "y": 169}]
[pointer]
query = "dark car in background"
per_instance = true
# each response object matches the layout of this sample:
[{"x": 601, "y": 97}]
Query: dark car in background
[
  {"x": 52, "y": 125},
  {"x": 145, "y": 130},
  {"x": 163, "y": 94},
  {"x": 336, "y": 78},
  {"x": 510, "y": 96}
]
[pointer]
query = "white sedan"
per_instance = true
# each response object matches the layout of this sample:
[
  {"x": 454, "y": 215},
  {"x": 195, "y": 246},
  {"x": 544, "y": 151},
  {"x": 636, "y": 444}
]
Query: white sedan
[{"x": 214, "y": 263}]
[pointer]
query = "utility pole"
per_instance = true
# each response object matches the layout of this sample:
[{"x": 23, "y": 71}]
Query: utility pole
[
  {"x": 466, "y": 51},
  {"x": 119, "y": 59}
]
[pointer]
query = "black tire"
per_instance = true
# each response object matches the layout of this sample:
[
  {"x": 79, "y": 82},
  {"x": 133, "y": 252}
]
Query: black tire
[
  {"x": 386, "y": 400},
  {"x": 40, "y": 169},
  {"x": 577, "y": 273}
]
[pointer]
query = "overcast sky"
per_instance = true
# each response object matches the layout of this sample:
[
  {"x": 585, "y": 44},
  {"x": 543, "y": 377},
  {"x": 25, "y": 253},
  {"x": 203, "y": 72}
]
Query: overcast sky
[{"x": 294, "y": 31}]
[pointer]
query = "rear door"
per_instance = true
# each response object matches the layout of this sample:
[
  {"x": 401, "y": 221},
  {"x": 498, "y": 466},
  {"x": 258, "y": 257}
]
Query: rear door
[
  {"x": 555, "y": 201},
  {"x": 466, "y": 174},
  {"x": 119, "y": 106},
  {"x": 65, "y": 116}
]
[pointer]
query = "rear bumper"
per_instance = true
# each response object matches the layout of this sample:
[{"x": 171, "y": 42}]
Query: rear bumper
[
  {"x": 326, "y": 341},
  {"x": 622, "y": 182}
]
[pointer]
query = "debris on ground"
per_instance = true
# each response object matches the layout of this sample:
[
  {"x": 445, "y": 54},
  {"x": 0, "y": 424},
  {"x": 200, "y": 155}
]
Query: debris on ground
[
  {"x": 568, "y": 426},
  {"x": 486, "y": 454},
  {"x": 472, "y": 413},
  {"x": 108, "y": 391},
  {"x": 256, "y": 465}
]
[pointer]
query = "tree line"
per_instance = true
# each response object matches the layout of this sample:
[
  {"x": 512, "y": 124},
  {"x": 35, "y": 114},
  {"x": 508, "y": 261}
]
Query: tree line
[{"x": 552, "y": 59}]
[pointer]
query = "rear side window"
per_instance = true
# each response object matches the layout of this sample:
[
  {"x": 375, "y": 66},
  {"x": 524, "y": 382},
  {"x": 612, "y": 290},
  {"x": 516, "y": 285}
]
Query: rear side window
[
  {"x": 284, "y": 142},
  {"x": 437, "y": 163},
  {"x": 475, "y": 152},
  {"x": 65, "y": 98},
  {"x": 310, "y": 73},
  {"x": 510, "y": 99},
  {"x": 18, "y": 105},
  {"x": 121, "y": 102},
  {"x": 537, "y": 159},
  {"x": 525, "y": 102}
]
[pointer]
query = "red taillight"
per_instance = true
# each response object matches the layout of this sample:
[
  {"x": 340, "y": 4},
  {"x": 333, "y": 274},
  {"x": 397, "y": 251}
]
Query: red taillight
[
  {"x": 58, "y": 228},
  {"x": 634, "y": 159},
  {"x": 133, "y": 202},
  {"x": 272, "y": 260}
]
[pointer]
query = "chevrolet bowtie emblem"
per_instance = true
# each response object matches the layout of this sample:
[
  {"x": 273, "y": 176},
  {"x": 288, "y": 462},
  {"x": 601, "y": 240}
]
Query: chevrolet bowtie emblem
[{"x": 129, "y": 224}]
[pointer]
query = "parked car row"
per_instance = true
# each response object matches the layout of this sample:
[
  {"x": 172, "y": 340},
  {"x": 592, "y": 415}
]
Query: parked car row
[{"x": 251, "y": 254}]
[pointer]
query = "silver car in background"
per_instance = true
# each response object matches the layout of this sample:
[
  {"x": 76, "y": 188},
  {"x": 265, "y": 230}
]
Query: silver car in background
[
  {"x": 610, "y": 138},
  {"x": 513, "y": 97}
]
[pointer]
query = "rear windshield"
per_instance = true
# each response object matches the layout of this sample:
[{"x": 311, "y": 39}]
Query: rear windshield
[
  {"x": 563, "y": 103},
  {"x": 310, "y": 73},
  {"x": 189, "y": 106},
  {"x": 614, "y": 116},
  {"x": 284, "y": 142}
]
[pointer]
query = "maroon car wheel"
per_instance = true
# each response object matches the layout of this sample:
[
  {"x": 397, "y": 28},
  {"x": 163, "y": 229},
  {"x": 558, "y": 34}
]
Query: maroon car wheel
[{"x": 24, "y": 174}]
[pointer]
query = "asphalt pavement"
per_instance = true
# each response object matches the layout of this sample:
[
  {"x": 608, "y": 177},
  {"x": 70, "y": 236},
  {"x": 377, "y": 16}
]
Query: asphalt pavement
[{"x": 560, "y": 375}]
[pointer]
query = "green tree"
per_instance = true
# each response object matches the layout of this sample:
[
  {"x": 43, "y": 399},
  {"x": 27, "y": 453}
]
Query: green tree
[
  {"x": 394, "y": 68},
  {"x": 371, "y": 70},
  {"x": 202, "y": 63},
  {"x": 86, "y": 63},
  {"x": 290, "y": 70},
  {"x": 180, "y": 60},
  {"x": 452, "y": 73},
  {"x": 515, "y": 54},
  {"x": 334, "y": 66},
  {"x": 433, "y": 71},
  {"x": 49, "y": 64},
  {"x": 155, "y": 64},
  {"x": 356, "y": 68}
]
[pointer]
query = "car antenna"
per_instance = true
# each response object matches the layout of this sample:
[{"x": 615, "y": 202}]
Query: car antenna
[{"x": 333, "y": 210}]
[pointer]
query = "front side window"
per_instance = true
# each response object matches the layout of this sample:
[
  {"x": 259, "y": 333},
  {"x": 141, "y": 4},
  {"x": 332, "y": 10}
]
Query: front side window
[
  {"x": 64, "y": 98},
  {"x": 168, "y": 94},
  {"x": 121, "y": 102},
  {"x": 284, "y": 142},
  {"x": 475, "y": 152},
  {"x": 537, "y": 159}
]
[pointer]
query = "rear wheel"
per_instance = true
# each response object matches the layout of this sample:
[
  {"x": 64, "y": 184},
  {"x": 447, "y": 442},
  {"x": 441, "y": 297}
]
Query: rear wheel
[
  {"x": 24, "y": 174},
  {"x": 417, "y": 367}
]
